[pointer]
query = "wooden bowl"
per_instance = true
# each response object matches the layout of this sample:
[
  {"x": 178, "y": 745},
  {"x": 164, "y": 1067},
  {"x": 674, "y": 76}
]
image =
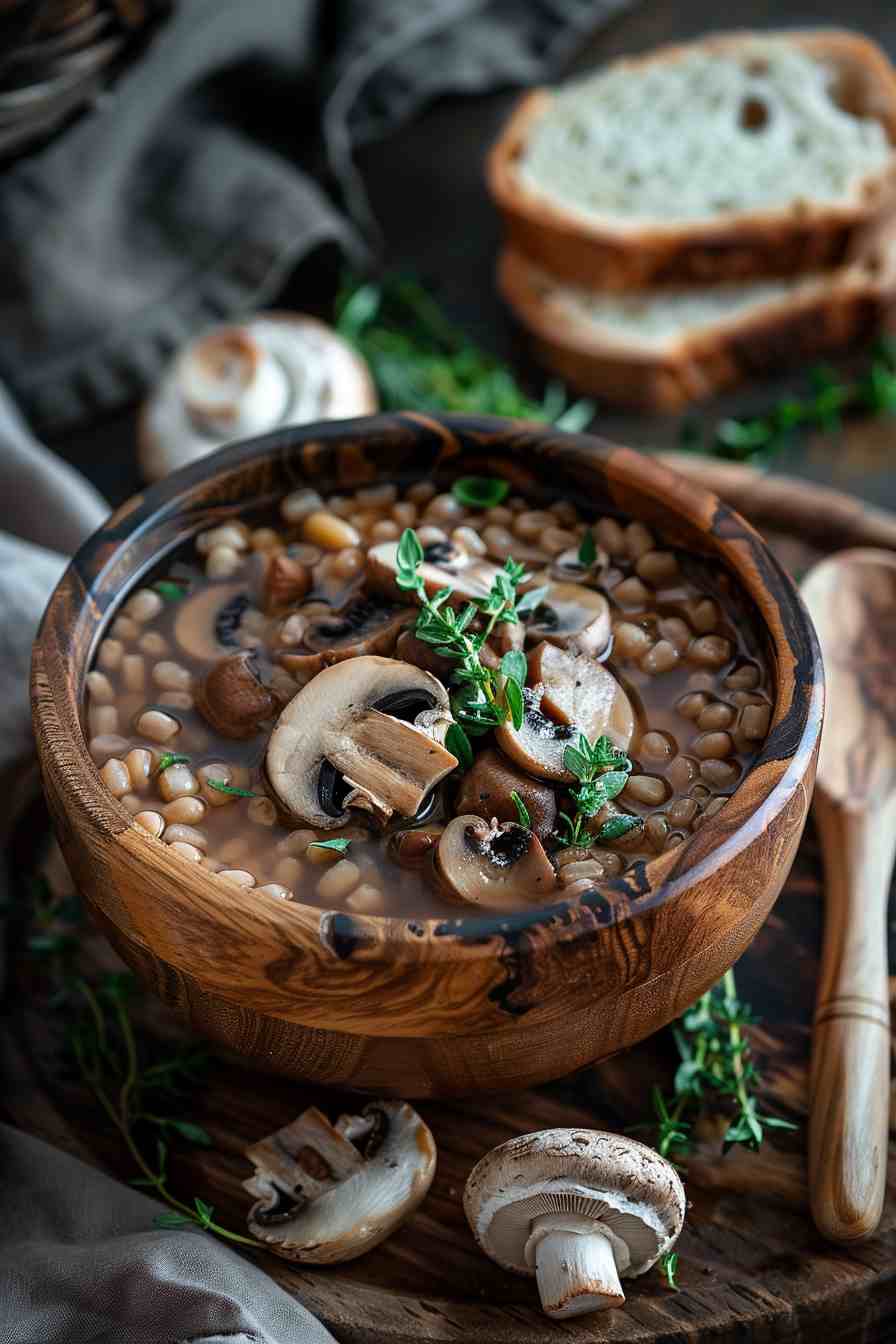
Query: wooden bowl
[{"x": 428, "y": 1007}]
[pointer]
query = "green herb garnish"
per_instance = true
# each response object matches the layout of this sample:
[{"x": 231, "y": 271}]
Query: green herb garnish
[
  {"x": 829, "y": 399},
  {"x": 480, "y": 492},
  {"x": 522, "y": 811},
  {"x": 483, "y": 699},
  {"x": 139, "y": 1085},
  {"x": 457, "y": 742},
  {"x": 172, "y": 592},
  {"x": 715, "y": 1067},
  {"x": 420, "y": 361},
  {"x": 339, "y": 845},
  {"x": 668, "y": 1267},
  {"x": 587, "y": 550},
  {"x": 603, "y": 773},
  {"x": 171, "y": 758},
  {"x": 221, "y": 786}
]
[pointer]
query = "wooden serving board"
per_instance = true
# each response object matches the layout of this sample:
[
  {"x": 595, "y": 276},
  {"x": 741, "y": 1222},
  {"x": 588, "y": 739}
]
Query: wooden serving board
[{"x": 752, "y": 1268}]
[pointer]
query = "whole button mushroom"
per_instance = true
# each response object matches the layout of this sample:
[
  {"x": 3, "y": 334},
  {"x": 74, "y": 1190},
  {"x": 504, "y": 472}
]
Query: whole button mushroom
[
  {"x": 577, "y": 1209},
  {"x": 232, "y": 697},
  {"x": 329, "y": 1193},
  {"x": 241, "y": 380}
]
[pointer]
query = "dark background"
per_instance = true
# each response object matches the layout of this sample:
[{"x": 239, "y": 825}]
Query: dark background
[{"x": 425, "y": 184}]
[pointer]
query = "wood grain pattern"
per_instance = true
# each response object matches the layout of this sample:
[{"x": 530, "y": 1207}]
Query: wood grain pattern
[
  {"x": 852, "y": 598},
  {"x": 429, "y": 1007},
  {"x": 753, "y": 1270}
]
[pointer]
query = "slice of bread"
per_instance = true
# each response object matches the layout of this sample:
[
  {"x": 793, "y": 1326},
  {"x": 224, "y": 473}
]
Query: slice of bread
[
  {"x": 662, "y": 349},
  {"x": 737, "y": 157}
]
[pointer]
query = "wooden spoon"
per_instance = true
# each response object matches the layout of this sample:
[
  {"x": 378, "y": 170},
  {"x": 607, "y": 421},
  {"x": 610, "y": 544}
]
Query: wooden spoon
[{"x": 852, "y": 600}]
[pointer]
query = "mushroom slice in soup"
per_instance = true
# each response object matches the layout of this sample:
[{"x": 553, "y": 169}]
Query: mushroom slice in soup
[
  {"x": 207, "y": 624},
  {"x": 329, "y": 1193},
  {"x": 571, "y": 616},
  {"x": 367, "y": 625},
  {"x": 445, "y": 565},
  {"x": 498, "y": 866},
  {"x": 573, "y": 694},
  {"x": 366, "y": 733}
]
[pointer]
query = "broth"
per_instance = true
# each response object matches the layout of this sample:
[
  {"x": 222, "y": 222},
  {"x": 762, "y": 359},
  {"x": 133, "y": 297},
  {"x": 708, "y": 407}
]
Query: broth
[{"x": 200, "y": 663}]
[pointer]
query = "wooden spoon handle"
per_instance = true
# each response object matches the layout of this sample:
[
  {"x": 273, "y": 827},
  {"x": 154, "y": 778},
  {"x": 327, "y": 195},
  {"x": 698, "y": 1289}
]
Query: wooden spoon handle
[{"x": 850, "y": 1084}]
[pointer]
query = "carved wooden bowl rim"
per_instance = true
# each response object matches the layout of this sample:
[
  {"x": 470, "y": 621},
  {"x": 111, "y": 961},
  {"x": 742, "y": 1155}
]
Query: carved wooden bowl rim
[{"x": 197, "y": 497}]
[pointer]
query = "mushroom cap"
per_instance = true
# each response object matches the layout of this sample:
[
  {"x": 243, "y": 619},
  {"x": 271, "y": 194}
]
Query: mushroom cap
[
  {"x": 352, "y": 1202},
  {"x": 621, "y": 1183},
  {"x": 374, "y": 723},
  {"x": 572, "y": 616},
  {"x": 232, "y": 697},
  {"x": 243, "y": 379},
  {"x": 445, "y": 565},
  {"x": 207, "y": 621},
  {"x": 493, "y": 866}
]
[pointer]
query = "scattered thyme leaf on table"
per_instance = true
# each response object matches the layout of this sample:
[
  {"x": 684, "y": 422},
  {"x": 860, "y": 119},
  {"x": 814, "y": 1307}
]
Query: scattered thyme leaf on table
[
  {"x": 829, "y": 399},
  {"x": 420, "y": 361}
]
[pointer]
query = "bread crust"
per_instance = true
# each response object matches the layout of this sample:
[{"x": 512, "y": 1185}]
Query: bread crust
[
  {"x": 749, "y": 245},
  {"x": 836, "y": 310}
]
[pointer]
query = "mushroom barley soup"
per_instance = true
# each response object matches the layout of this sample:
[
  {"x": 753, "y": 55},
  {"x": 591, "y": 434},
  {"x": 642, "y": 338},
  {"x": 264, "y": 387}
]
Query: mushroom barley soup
[{"x": 413, "y": 703}]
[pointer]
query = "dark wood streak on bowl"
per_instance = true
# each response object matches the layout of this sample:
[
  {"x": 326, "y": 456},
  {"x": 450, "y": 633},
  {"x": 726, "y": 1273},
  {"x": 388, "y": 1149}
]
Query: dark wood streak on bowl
[{"x": 430, "y": 1007}]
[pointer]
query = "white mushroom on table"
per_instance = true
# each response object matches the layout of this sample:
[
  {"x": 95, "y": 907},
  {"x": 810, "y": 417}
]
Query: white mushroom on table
[
  {"x": 579, "y": 1210},
  {"x": 329, "y": 1193}
]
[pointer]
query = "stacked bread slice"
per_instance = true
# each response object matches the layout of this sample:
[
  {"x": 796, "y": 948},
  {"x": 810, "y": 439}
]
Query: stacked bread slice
[{"x": 676, "y": 222}]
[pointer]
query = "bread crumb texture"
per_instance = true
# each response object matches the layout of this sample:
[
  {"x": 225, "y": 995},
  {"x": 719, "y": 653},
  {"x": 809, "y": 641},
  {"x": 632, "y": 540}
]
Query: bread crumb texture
[{"x": 701, "y": 134}]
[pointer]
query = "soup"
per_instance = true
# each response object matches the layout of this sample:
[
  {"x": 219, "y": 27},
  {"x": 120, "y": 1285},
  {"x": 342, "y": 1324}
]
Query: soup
[{"x": 421, "y": 703}]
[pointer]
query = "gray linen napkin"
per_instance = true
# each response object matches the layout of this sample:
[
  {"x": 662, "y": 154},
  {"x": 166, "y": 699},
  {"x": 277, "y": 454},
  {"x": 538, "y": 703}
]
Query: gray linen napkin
[
  {"x": 180, "y": 199},
  {"x": 162, "y": 210}
]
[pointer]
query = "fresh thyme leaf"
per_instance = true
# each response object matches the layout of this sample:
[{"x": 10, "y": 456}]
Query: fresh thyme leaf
[
  {"x": 410, "y": 552},
  {"x": 172, "y": 592},
  {"x": 522, "y": 811},
  {"x": 172, "y": 1220},
  {"x": 577, "y": 763},
  {"x": 616, "y": 827},
  {"x": 204, "y": 1211},
  {"x": 221, "y": 786},
  {"x": 457, "y": 742},
  {"x": 668, "y": 1266},
  {"x": 513, "y": 664},
  {"x": 340, "y": 844},
  {"x": 421, "y": 362},
  {"x": 513, "y": 694},
  {"x": 193, "y": 1133},
  {"x": 531, "y": 600},
  {"x": 587, "y": 550},
  {"x": 480, "y": 492},
  {"x": 171, "y": 758}
]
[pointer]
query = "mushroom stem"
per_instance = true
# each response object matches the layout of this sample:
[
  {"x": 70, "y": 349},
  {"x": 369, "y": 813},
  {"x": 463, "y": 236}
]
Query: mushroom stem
[{"x": 575, "y": 1265}]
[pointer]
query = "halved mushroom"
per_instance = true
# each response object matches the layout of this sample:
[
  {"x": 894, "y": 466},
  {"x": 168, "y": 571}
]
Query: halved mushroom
[
  {"x": 367, "y": 625},
  {"x": 233, "y": 698},
  {"x": 573, "y": 694},
  {"x": 364, "y": 733},
  {"x": 577, "y": 1209},
  {"x": 329, "y": 1193},
  {"x": 486, "y": 790},
  {"x": 495, "y": 866},
  {"x": 572, "y": 617},
  {"x": 207, "y": 624},
  {"x": 444, "y": 565}
]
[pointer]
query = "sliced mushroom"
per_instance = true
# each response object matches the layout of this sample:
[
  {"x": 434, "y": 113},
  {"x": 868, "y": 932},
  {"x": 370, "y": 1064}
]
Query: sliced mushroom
[
  {"x": 580, "y": 691},
  {"x": 572, "y": 617},
  {"x": 232, "y": 697},
  {"x": 573, "y": 694},
  {"x": 486, "y": 788},
  {"x": 364, "y": 733},
  {"x": 445, "y": 565},
  {"x": 329, "y": 1193},
  {"x": 207, "y": 624},
  {"x": 568, "y": 568},
  {"x": 499, "y": 867},
  {"x": 576, "y": 1208},
  {"x": 367, "y": 625}
]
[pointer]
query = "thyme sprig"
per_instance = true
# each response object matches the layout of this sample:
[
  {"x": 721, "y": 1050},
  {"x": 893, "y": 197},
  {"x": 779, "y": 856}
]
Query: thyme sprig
[
  {"x": 140, "y": 1093},
  {"x": 483, "y": 697},
  {"x": 715, "y": 1067},
  {"x": 420, "y": 361},
  {"x": 828, "y": 400},
  {"x": 603, "y": 773}
]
